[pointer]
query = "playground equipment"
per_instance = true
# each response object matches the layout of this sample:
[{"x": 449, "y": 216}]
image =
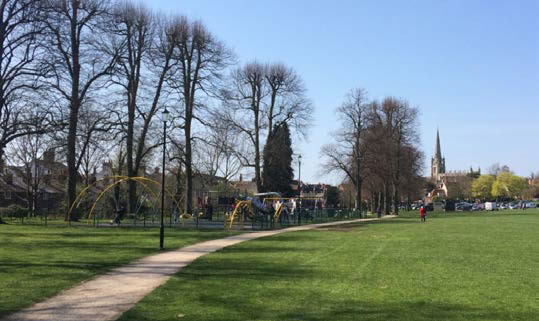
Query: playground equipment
[
  {"x": 248, "y": 208},
  {"x": 272, "y": 208},
  {"x": 251, "y": 208},
  {"x": 143, "y": 181}
]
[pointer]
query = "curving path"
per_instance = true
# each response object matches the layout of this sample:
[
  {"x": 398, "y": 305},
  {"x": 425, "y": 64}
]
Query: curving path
[{"x": 107, "y": 296}]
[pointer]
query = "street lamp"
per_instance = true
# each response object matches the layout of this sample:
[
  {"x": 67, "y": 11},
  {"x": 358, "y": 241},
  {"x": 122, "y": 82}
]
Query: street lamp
[
  {"x": 166, "y": 116},
  {"x": 299, "y": 189}
]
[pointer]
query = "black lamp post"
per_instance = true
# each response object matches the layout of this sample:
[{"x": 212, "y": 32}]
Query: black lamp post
[
  {"x": 299, "y": 190},
  {"x": 166, "y": 115}
]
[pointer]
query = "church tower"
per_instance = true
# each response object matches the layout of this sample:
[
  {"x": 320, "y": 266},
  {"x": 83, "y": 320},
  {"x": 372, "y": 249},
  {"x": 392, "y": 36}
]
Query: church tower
[{"x": 437, "y": 164}]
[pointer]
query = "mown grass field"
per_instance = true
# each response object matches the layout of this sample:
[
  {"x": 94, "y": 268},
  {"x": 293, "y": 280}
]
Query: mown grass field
[
  {"x": 460, "y": 266},
  {"x": 37, "y": 262}
]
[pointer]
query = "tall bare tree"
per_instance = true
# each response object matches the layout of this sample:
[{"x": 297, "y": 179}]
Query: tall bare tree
[
  {"x": 245, "y": 100},
  {"x": 262, "y": 97},
  {"x": 75, "y": 62},
  {"x": 143, "y": 67},
  {"x": 200, "y": 62},
  {"x": 134, "y": 29},
  {"x": 400, "y": 121},
  {"x": 391, "y": 148},
  {"x": 346, "y": 154}
]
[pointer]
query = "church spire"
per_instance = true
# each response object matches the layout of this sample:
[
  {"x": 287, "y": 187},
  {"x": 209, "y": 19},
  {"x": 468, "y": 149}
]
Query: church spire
[
  {"x": 437, "y": 162},
  {"x": 438, "y": 154}
]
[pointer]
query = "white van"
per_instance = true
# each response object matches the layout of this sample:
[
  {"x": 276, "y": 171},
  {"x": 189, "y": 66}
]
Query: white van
[{"x": 490, "y": 206}]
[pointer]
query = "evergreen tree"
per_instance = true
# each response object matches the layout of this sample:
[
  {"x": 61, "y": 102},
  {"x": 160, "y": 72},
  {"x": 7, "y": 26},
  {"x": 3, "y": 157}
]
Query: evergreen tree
[{"x": 277, "y": 167}]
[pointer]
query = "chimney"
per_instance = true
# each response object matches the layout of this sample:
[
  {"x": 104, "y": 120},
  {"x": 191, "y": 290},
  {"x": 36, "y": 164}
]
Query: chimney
[
  {"x": 241, "y": 178},
  {"x": 49, "y": 156}
]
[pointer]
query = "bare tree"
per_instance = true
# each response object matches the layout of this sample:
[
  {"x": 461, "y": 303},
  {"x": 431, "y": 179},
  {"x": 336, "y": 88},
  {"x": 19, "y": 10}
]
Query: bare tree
[
  {"x": 143, "y": 67},
  {"x": 401, "y": 123},
  {"x": 287, "y": 99},
  {"x": 377, "y": 145},
  {"x": 26, "y": 152},
  {"x": 19, "y": 31},
  {"x": 412, "y": 184},
  {"x": 200, "y": 62},
  {"x": 245, "y": 112},
  {"x": 75, "y": 62},
  {"x": 260, "y": 98},
  {"x": 346, "y": 154},
  {"x": 218, "y": 151},
  {"x": 93, "y": 136},
  {"x": 393, "y": 129}
]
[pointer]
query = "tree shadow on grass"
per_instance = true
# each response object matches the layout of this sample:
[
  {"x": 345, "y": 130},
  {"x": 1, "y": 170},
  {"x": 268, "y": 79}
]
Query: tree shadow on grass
[
  {"x": 417, "y": 311},
  {"x": 70, "y": 246},
  {"x": 51, "y": 265},
  {"x": 332, "y": 309}
]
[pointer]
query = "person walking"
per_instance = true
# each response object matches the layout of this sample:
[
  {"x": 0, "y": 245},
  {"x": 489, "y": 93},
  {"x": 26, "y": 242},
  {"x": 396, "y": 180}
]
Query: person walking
[{"x": 423, "y": 214}]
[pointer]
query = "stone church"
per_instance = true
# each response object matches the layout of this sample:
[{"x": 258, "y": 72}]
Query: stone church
[{"x": 450, "y": 184}]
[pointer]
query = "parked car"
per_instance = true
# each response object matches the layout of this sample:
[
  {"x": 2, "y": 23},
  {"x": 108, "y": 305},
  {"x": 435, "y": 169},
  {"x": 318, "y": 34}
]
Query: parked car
[
  {"x": 514, "y": 206},
  {"x": 478, "y": 207},
  {"x": 531, "y": 205},
  {"x": 503, "y": 206},
  {"x": 463, "y": 206}
]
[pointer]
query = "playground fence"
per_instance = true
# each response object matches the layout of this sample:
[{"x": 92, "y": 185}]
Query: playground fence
[{"x": 199, "y": 219}]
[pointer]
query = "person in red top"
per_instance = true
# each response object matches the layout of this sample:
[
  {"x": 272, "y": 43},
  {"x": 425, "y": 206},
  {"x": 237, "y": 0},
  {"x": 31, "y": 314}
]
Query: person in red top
[{"x": 423, "y": 214}]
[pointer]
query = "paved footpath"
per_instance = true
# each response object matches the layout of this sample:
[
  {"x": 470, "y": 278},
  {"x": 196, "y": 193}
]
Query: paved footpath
[{"x": 107, "y": 296}]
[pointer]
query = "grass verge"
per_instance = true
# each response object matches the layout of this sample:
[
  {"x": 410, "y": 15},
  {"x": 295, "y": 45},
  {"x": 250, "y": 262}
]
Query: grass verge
[
  {"x": 37, "y": 262},
  {"x": 473, "y": 266}
]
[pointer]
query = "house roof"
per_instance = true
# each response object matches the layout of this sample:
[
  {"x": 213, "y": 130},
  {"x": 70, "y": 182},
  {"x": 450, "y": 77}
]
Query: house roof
[
  {"x": 18, "y": 183},
  {"x": 7, "y": 187},
  {"x": 51, "y": 165}
]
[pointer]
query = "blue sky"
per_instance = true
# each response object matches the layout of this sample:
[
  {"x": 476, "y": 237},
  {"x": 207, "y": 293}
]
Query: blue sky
[{"x": 472, "y": 67}]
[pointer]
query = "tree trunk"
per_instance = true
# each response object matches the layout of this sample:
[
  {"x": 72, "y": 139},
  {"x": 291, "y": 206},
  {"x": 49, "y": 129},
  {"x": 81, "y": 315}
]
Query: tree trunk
[
  {"x": 396, "y": 199},
  {"x": 179, "y": 186},
  {"x": 359, "y": 203},
  {"x": 35, "y": 204},
  {"x": 188, "y": 167},
  {"x": 132, "y": 185},
  {"x": 71, "y": 159},
  {"x": 73, "y": 117},
  {"x": 387, "y": 200},
  {"x": 379, "y": 200},
  {"x": 257, "y": 154}
]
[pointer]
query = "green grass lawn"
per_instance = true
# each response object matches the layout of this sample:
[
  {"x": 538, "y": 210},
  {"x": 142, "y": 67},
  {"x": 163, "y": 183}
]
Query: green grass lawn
[
  {"x": 460, "y": 266},
  {"x": 37, "y": 262}
]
